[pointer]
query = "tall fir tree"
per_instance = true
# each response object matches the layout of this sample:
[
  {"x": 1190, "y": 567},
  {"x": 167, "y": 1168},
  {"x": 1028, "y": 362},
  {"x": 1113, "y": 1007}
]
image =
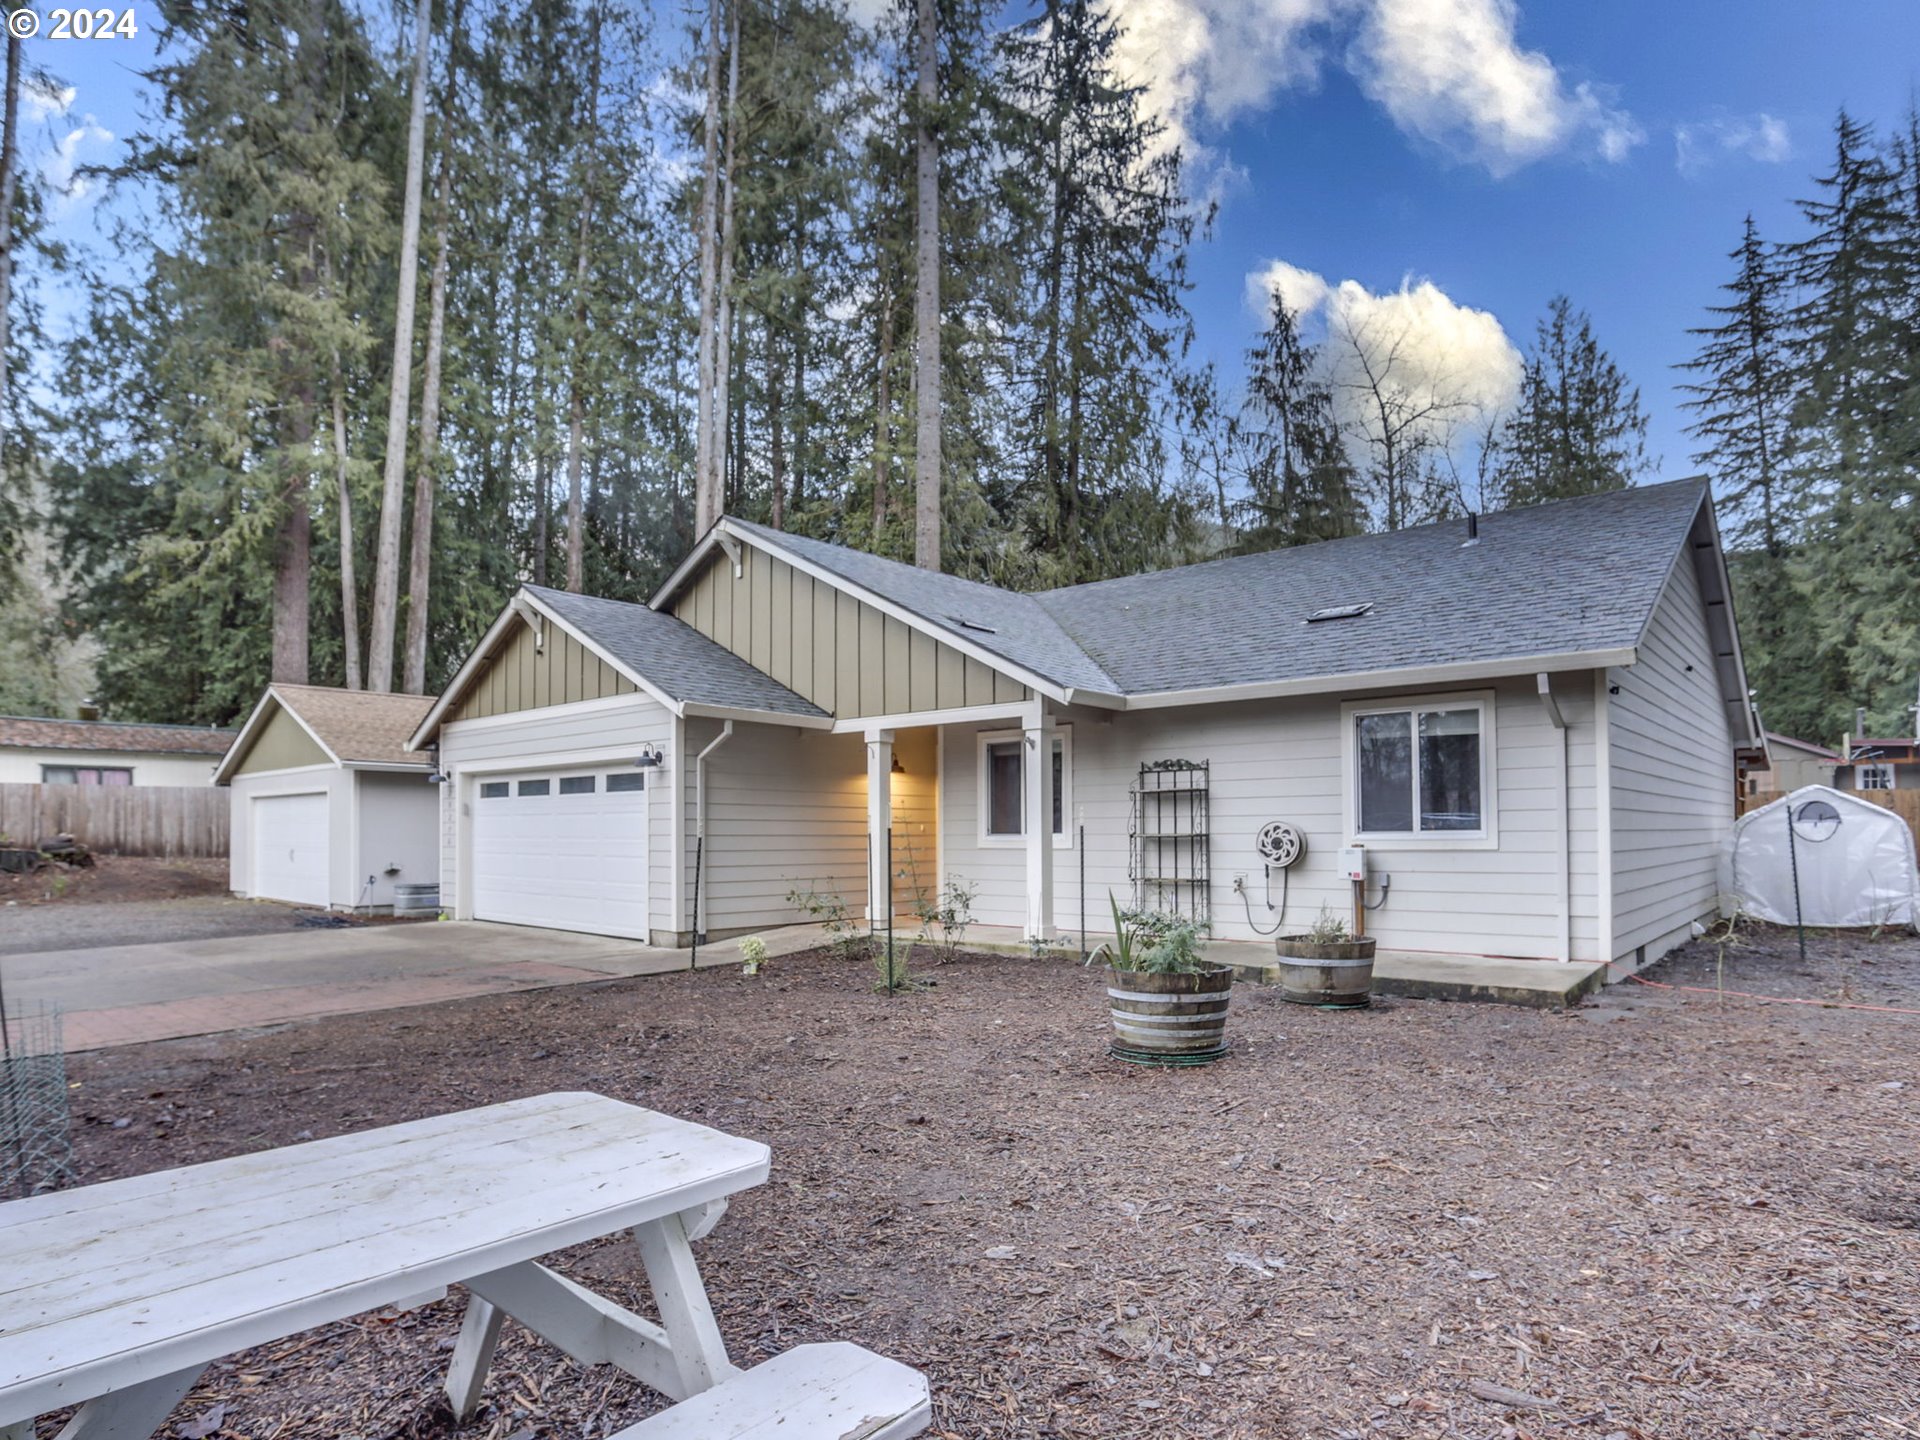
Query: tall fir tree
[{"x": 1579, "y": 428}]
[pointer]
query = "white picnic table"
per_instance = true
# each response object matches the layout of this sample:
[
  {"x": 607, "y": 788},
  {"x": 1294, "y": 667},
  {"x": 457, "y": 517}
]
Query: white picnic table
[{"x": 115, "y": 1297}]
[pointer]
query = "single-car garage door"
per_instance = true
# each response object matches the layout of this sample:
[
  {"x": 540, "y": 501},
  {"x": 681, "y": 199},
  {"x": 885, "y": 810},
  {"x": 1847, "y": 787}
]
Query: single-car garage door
[
  {"x": 566, "y": 850},
  {"x": 290, "y": 848}
]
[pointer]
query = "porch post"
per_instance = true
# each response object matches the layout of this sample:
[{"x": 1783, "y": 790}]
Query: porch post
[
  {"x": 1037, "y": 776},
  {"x": 879, "y": 817}
]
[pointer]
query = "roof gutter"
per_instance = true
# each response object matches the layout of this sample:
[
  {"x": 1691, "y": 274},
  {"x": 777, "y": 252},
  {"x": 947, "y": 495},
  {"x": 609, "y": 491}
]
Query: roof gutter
[{"x": 1424, "y": 676}]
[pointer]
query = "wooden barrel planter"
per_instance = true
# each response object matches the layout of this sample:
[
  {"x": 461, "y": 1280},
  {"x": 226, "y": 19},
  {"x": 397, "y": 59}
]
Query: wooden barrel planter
[
  {"x": 1334, "y": 973},
  {"x": 1169, "y": 1019}
]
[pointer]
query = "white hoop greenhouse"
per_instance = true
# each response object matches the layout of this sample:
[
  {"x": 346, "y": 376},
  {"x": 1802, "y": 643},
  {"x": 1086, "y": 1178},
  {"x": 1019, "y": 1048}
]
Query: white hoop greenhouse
[{"x": 1822, "y": 857}]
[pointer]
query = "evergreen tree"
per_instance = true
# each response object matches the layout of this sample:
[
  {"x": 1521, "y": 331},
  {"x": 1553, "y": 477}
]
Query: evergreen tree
[
  {"x": 1102, "y": 231},
  {"x": 1744, "y": 399},
  {"x": 1300, "y": 485},
  {"x": 1578, "y": 428}
]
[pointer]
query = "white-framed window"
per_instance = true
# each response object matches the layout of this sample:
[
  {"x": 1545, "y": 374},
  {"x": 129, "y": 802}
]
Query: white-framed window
[
  {"x": 1003, "y": 790},
  {"x": 94, "y": 775},
  {"x": 1420, "y": 771},
  {"x": 1873, "y": 777}
]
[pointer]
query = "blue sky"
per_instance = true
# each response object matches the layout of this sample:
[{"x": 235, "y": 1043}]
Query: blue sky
[{"x": 1490, "y": 152}]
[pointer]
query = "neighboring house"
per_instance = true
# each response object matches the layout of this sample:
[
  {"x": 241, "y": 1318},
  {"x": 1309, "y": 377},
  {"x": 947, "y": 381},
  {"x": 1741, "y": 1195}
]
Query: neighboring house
[
  {"x": 1878, "y": 765},
  {"x": 1790, "y": 765},
  {"x": 1532, "y": 728},
  {"x": 329, "y": 808},
  {"x": 38, "y": 751}
]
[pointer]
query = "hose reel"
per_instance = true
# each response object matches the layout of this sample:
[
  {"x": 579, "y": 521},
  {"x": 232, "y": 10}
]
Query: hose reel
[{"x": 1279, "y": 846}]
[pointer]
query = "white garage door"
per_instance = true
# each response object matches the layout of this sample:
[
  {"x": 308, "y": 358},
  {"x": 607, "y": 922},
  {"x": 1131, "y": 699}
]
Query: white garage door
[
  {"x": 562, "y": 849},
  {"x": 290, "y": 848}
]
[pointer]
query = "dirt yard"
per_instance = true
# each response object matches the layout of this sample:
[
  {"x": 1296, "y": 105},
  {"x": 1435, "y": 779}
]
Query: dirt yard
[
  {"x": 115, "y": 879},
  {"x": 1667, "y": 1214}
]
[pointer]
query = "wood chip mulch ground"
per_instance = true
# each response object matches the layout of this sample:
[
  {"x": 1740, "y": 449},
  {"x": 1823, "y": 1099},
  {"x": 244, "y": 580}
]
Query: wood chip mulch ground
[{"x": 1669, "y": 1213}]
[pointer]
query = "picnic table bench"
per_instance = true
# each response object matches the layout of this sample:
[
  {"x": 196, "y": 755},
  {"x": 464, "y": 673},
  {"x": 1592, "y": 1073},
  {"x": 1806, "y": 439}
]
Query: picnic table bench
[{"x": 115, "y": 1297}]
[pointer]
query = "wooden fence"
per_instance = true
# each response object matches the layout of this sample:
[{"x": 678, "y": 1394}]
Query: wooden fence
[{"x": 170, "y": 821}]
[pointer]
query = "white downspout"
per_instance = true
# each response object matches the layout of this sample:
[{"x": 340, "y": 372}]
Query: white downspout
[
  {"x": 1564, "y": 842},
  {"x": 700, "y": 814}
]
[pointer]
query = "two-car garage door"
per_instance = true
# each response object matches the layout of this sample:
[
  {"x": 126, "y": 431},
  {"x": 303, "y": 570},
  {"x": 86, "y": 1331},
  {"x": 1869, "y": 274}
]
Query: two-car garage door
[{"x": 566, "y": 850}]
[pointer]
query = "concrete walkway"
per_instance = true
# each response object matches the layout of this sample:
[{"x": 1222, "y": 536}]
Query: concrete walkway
[{"x": 129, "y": 994}]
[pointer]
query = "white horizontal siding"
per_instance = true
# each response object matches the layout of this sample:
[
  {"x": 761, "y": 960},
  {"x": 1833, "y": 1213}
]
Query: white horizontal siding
[
  {"x": 1672, "y": 779},
  {"x": 1281, "y": 760},
  {"x": 534, "y": 739}
]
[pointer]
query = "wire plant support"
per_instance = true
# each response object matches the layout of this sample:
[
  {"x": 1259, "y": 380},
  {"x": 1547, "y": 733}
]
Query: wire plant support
[
  {"x": 36, "y": 1150},
  {"x": 1171, "y": 861}
]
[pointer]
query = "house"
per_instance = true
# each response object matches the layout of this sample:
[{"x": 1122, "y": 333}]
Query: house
[
  {"x": 38, "y": 751},
  {"x": 1878, "y": 765},
  {"x": 329, "y": 807},
  {"x": 1790, "y": 765},
  {"x": 1530, "y": 722}
]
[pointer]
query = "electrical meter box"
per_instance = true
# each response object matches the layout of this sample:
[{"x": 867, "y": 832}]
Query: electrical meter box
[{"x": 1353, "y": 862}]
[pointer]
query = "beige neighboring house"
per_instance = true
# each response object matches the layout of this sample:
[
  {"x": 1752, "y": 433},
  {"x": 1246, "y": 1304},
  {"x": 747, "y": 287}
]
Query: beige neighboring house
[
  {"x": 1792, "y": 764},
  {"x": 329, "y": 807},
  {"x": 1522, "y": 733},
  {"x": 38, "y": 751}
]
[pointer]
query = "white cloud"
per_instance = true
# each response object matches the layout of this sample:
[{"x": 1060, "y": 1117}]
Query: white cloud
[
  {"x": 1426, "y": 347},
  {"x": 1450, "y": 71},
  {"x": 43, "y": 97},
  {"x": 1700, "y": 144},
  {"x": 59, "y": 165}
]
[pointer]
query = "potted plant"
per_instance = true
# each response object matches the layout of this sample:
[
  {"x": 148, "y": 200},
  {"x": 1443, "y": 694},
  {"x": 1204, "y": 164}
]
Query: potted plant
[
  {"x": 1328, "y": 965},
  {"x": 1168, "y": 1002}
]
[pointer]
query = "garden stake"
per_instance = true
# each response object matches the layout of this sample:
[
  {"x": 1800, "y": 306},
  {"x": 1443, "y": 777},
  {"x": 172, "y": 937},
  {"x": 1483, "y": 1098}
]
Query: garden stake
[
  {"x": 1793, "y": 860},
  {"x": 889, "y": 910}
]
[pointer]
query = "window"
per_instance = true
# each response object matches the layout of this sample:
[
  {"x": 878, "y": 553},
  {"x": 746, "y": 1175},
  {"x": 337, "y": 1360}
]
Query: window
[
  {"x": 625, "y": 780},
  {"x": 1873, "y": 777},
  {"x": 1003, "y": 797},
  {"x": 494, "y": 790},
  {"x": 536, "y": 787},
  {"x": 1419, "y": 769},
  {"x": 576, "y": 784},
  {"x": 85, "y": 775}
]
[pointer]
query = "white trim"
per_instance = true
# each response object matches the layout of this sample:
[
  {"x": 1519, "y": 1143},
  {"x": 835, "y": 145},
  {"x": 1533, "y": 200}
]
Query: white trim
[
  {"x": 571, "y": 707},
  {"x": 1563, "y": 816},
  {"x": 475, "y": 658},
  {"x": 280, "y": 791},
  {"x": 1487, "y": 837},
  {"x": 389, "y": 766},
  {"x": 288, "y": 770},
  {"x": 912, "y": 720},
  {"x": 953, "y": 639},
  {"x": 1603, "y": 811},
  {"x": 677, "y": 842},
  {"x": 1063, "y": 840},
  {"x": 1425, "y": 675},
  {"x": 222, "y": 774},
  {"x": 559, "y": 760},
  {"x": 696, "y": 710}
]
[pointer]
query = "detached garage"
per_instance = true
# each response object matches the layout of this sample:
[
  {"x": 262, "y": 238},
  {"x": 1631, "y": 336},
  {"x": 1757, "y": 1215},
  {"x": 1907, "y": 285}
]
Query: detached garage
[{"x": 329, "y": 808}]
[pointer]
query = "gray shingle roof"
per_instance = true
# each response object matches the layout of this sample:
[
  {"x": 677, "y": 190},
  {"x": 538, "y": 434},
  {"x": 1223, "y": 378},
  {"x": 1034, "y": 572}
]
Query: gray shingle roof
[
  {"x": 673, "y": 656},
  {"x": 1549, "y": 579},
  {"x": 1022, "y": 631},
  {"x": 1579, "y": 575}
]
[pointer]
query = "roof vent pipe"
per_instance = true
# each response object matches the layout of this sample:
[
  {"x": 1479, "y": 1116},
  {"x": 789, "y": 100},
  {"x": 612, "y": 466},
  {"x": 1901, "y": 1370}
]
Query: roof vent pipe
[{"x": 1473, "y": 530}]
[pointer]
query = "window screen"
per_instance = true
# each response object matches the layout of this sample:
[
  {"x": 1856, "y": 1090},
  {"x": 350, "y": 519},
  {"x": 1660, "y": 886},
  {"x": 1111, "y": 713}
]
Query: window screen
[
  {"x": 625, "y": 780},
  {"x": 1384, "y": 745},
  {"x": 1419, "y": 772},
  {"x": 576, "y": 784},
  {"x": 1003, "y": 788},
  {"x": 494, "y": 790},
  {"x": 1450, "y": 770},
  {"x": 536, "y": 787}
]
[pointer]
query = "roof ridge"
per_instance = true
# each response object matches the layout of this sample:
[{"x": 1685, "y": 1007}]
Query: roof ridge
[{"x": 122, "y": 724}]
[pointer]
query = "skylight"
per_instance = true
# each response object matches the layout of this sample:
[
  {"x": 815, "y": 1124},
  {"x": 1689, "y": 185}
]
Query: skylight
[{"x": 1340, "y": 612}]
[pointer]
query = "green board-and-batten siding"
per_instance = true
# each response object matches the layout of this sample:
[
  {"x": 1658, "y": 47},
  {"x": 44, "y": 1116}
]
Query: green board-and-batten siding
[
  {"x": 282, "y": 744},
  {"x": 520, "y": 677},
  {"x": 844, "y": 655}
]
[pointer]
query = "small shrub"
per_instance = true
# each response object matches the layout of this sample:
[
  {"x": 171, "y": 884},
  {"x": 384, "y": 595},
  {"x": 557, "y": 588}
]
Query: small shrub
[
  {"x": 1152, "y": 942},
  {"x": 753, "y": 954},
  {"x": 845, "y": 935},
  {"x": 944, "y": 925},
  {"x": 1329, "y": 929}
]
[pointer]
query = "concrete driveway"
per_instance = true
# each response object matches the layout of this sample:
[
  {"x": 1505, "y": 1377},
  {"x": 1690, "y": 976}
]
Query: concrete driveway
[{"x": 128, "y": 994}]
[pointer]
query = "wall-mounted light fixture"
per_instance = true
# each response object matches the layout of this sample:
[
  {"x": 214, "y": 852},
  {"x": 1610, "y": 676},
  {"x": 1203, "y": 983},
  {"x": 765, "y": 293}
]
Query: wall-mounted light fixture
[
  {"x": 898, "y": 768},
  {"x": 649, "y": 758},
  {"x": 436, "y": 778}
]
